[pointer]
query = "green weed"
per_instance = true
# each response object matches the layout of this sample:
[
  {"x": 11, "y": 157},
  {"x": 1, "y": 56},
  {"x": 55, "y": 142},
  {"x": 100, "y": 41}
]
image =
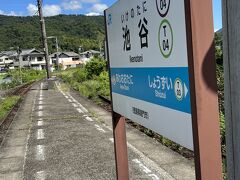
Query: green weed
[{"x": 7, "y": 104}]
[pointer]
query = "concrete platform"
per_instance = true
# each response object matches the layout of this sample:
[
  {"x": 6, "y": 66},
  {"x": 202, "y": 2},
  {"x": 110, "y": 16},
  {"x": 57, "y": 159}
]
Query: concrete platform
[{"x": 60, "y": 135}]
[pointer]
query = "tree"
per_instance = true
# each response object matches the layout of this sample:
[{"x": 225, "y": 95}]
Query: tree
[
  {"x": 95, "y": 67},
  {"x": 218, "y": 48},
  {"x": 72, "y": 32}
]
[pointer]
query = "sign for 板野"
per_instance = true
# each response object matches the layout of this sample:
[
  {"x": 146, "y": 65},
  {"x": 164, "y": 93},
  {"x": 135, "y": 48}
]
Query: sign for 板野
[{"x": 149, "y": 66}]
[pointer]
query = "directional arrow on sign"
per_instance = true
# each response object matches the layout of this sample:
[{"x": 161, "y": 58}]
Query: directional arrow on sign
[{"x": 185, "y": 90}]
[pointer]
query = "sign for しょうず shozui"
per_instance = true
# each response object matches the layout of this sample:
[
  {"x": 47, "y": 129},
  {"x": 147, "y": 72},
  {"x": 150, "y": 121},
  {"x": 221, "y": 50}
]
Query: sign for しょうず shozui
[{"x": 147, "y": 43}]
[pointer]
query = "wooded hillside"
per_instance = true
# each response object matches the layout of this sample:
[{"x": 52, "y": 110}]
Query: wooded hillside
[{"x": 72, "y": 31}]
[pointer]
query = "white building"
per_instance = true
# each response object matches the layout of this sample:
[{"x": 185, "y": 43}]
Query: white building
[
  {"x": 88, "y": 55},
  {"x": 31, "y": 58},
  {"x": 28, "y": 58},
  {"x": 66, "y": 59},
  {"x": 6, "y": 59}
]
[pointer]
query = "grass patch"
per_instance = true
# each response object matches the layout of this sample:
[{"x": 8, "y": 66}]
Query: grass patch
[
  {"x": 2, "y": 75},
  {"x": 90, "y": 81},
  {"x": 27, "y": 75},
  {"x": 7, "y": 104},
  {"x": 64, "y": 87}
]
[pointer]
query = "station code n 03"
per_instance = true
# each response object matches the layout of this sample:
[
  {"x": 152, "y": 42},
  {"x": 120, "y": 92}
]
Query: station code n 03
[{"x": 147, "y": 46}]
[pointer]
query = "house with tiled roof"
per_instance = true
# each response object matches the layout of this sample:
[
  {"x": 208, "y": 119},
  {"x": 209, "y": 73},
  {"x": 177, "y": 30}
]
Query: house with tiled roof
[
  {"x": 7, "y": 59},
  {"x": 66, "y": 59}
]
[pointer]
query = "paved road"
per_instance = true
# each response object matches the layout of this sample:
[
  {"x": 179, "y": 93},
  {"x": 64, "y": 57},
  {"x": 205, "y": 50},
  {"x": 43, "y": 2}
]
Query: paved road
[{"x": 55, "y": 136}]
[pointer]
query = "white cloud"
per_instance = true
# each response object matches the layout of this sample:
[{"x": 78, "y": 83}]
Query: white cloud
[
  {"x": 72, "y": 5},
  {"x": 92, "y": 14},
  {"x": 90, "y": 1},
  {"x": 99, "y": 8},
  {"x": 32, "y": 9},
  {"x": 76, "y": 4},
  {"x": 11, "y": 13},
  {"x": 51, "y": 10},
  {"x": 48, "y": 10}
]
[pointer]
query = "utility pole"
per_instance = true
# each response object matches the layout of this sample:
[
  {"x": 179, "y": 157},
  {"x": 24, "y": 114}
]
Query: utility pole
[
  {"x": 19, "y": 51},
  {"x": 231, "y": 54},
  {"x": 44, "y": 37},
  {"x": 57, "y": 54},
  {"x": 57, "y": 48},
  {"x": 100, "y": 47}
]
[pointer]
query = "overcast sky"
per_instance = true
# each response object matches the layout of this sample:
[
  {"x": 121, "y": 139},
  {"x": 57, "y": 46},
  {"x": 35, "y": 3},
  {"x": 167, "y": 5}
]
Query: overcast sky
[{"x": 87, "y": 7}]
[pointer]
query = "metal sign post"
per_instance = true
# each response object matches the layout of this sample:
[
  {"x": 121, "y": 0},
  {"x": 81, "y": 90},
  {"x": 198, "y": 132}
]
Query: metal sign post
[
  {"x": 120, "y": 146},
  {"x": 119, "y": 134},
  {"x": 162, "y": 74},
  {"x": 204, "y": 98}
]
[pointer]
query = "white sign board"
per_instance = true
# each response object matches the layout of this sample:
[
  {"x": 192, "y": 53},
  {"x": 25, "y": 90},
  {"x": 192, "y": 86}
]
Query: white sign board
[{"x": 148, "y": 58}]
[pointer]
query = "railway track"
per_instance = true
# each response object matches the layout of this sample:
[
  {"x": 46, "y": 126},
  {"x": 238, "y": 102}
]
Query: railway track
[
  {"x": 106, "y": 103},
  {"x": 18, "y": 91},
  {"x": 105, "y": 99}
]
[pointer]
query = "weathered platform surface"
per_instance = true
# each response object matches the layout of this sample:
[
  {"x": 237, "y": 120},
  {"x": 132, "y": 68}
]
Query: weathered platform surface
[{"x": 59, "y": 135}]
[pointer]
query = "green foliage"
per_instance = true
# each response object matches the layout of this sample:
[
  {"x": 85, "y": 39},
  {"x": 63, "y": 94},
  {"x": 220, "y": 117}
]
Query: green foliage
[
  {"x": 103, "y": 80},
  {"x": 32, "y": 75},
  {"x": 222, "y": 127},
  {"x": 27, "y": 75},
  {"x": 94, "y": 67},
  {"x": 220, "y": 84},
  {"x": 5, "y": 86},
  {"x": 89, "y": 89},
  {"x": 2, "y": 75},
  {"x": 90, "y": 81},
  {"x": 72, "y": 31},
  {"x": 218, "y": 48},
  {"x": 67, "y": 75},
  {"x": 7, "y": 104},
  {"x": 80, "y": 75}
]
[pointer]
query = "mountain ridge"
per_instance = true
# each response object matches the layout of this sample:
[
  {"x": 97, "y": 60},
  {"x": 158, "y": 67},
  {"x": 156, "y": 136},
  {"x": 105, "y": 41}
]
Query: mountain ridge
[{"x": 72, "y": 31}]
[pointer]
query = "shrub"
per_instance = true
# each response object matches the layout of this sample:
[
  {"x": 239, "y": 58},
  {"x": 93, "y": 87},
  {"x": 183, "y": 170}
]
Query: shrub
[
  {"x": 95, "y": 67},
  {"x": 29, "y": 75},
  {"x": 103, "y": 80},
  {"x": 80, "y": 75},
  {"x": 89, "y": 89}
]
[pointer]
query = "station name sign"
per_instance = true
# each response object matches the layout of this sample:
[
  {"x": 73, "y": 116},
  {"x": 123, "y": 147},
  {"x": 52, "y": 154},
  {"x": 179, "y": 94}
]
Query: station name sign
[{"x": 148, "y": 58}]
